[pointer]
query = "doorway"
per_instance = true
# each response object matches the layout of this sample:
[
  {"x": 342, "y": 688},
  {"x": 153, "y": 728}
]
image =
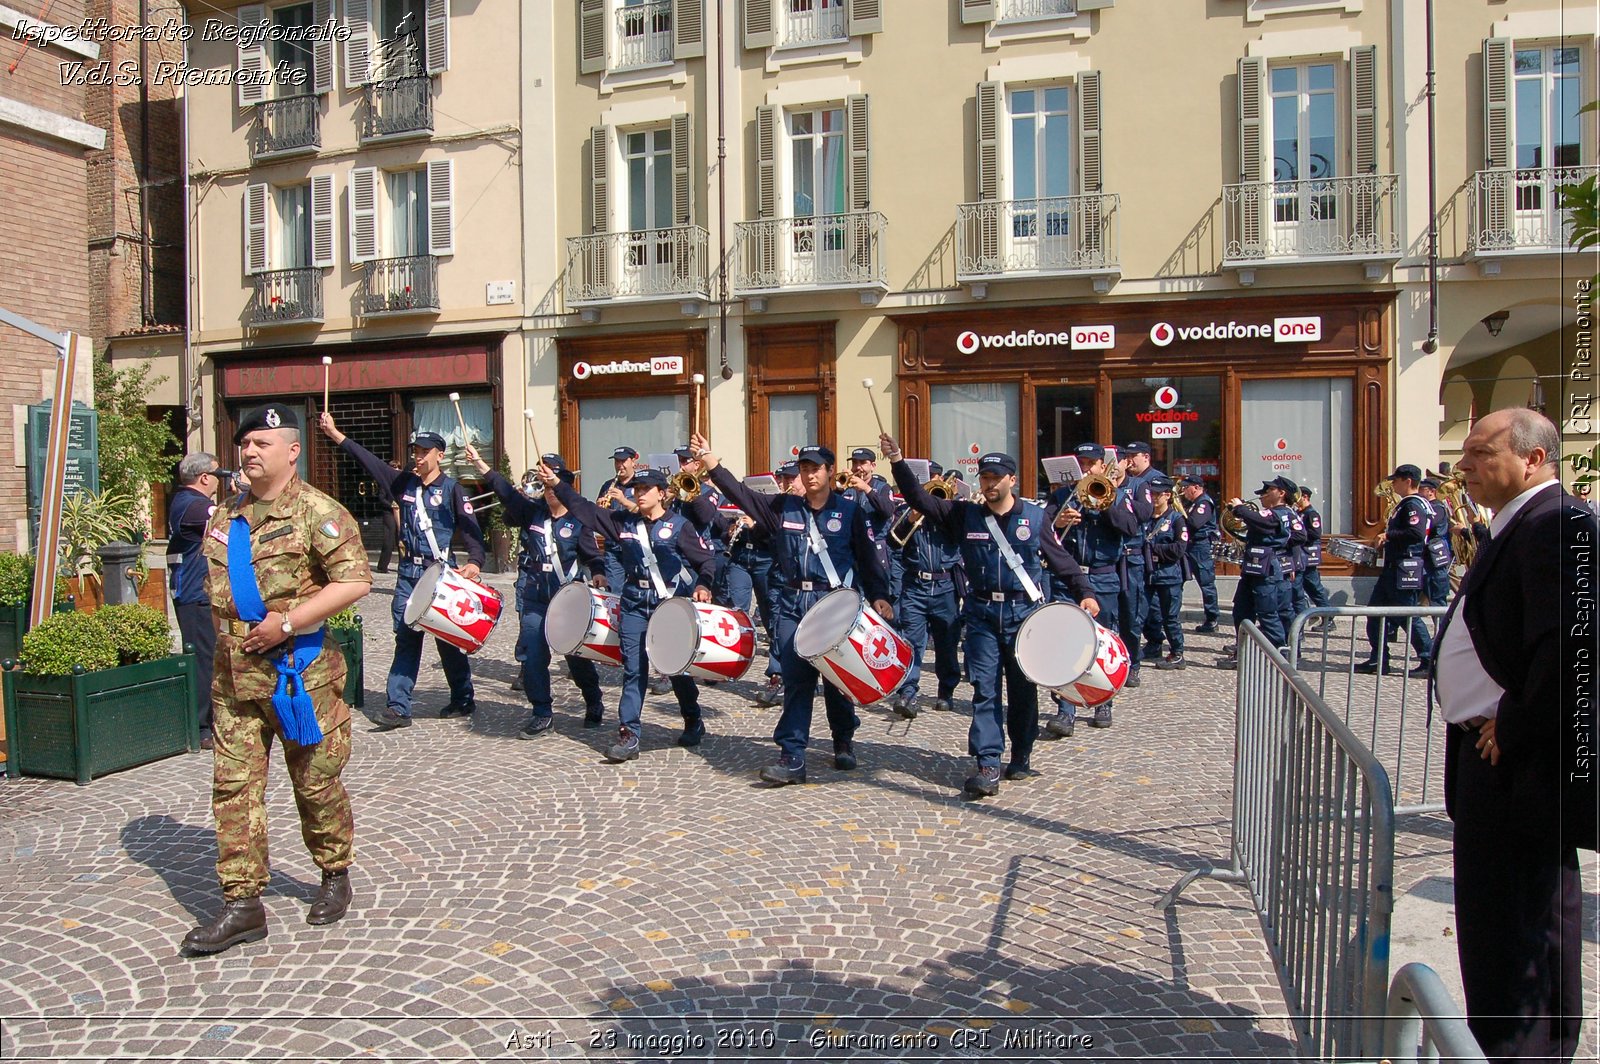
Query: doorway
[{"x": 1064, "y": 418}]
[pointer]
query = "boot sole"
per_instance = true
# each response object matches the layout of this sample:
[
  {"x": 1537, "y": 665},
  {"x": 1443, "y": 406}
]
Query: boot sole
[
  {"x": 785, "y": 782},
  {"x": 323, "y": 921},
  {"x": 237, "y": 940}
]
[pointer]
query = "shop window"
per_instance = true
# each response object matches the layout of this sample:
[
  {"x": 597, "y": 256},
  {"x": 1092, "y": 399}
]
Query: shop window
[
  {"x": 969, "y": 419},
  {"x": 1301, "y": 429},
  {"x": 439, "y": 415},
  {"x": 651, "y": 424},
  {"x": 791, "y": 424},
  {"x": 1186, "y": 437}
]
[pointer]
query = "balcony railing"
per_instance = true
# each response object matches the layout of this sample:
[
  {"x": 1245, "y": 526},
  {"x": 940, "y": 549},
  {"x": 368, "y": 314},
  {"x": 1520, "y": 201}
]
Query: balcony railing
[
  {"x": 287, "y": 297},
  {"x": 821, "y": 251},
  {"x": 644, "y": 34},
  {"x": 639, "y": 265},
  {"x": 398, "y": 107},
  {"x": 407, "y": 285},
  {"x": 1051, "y": 237},
  {"x": 1316, "y": 220},
  {"x": 288, "y": 126},
  {"x": 1519, "y": 210},
  {"x": 1019, "y": 10},
  {"x": 812, "y": 22}
]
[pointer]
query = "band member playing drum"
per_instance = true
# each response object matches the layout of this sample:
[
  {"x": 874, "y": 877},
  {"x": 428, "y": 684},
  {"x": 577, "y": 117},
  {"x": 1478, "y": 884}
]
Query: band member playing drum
[
  {"x": 820, "y": 541},
  {"x": 1003, "y": 540},
  {"x": 661, "y": 556},
  {"x": 756, "y": 556},
  {"x": 556, "y": 550},
  {"x": 1263, "y": 589},
  {"x": 433, "y": 507}
]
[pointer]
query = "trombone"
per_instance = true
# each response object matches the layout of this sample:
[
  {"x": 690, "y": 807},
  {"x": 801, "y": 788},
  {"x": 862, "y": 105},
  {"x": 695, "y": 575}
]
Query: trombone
[
  {"x": 901, "y": 531},
  {"x": 685, "y": 485},
  {"x": 1095, "y": 491}
]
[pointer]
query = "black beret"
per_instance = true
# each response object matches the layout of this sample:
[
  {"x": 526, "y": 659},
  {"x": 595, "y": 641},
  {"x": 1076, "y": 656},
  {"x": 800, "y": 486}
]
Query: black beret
[{"x": 270, "y": 416}]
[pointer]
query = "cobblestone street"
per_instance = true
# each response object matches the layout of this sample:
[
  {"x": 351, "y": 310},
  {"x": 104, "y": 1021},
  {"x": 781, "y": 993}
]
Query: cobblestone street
[{"x": 527, "y": 900}]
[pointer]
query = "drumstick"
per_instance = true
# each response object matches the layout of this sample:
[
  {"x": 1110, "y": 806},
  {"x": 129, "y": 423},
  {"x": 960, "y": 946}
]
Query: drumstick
[
  {"x": 455, "y": 400},
  {"x": 699, "y": 379},
  {"x": 866, "y": 383},
  {"x": 327, "y": 365},
  {"x": 538, "y": 456}
]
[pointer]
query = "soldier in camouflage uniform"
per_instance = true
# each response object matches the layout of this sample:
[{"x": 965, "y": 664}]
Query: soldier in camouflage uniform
[{"x": 309, "y": 563}]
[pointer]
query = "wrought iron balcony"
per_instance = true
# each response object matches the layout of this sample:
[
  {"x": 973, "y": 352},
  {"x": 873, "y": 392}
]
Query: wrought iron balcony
[
  {"x": 644, "y": 35},
  {"x": 1518, "y": 211},
  {"x": 288, "y": 126},
  {"x": 407, "y": 285},
  {"x": 1056, "y": 236},
  {"x": 1319, "y": 220},
  {"x": 1021, "y": 10},
  {"x": 640, "y": 265},
  {"x": 803, "y": 22},
  {"x": 287, "y": 297},
  {"x": 818, "y": 252},
  {"x": 398, "y": 108}
]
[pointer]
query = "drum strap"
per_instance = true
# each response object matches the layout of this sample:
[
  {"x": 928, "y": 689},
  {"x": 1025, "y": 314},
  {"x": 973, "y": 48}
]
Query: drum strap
[
  {"x": 425, "y": 523},
  {"x": 649, "y": 552},
  {"x": 1004, "y": 546},
  {"x": 553, "y": 553},
  {"x": 820, "y": 549},
  {"x": 290, "y": 702}
]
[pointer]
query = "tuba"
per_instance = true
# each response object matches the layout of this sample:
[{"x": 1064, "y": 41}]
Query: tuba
[
  {"x": 1231, "y": 524},
  {"x": 901, "y": 531},
  {"x": 1453, "y": 490},
  {"x": 686, "y": 486},
  {"x": 1095, "y": 491}
]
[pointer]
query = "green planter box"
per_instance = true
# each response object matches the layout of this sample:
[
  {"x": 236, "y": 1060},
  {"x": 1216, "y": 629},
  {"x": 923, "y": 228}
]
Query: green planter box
[
  {"x": 14, "y": 625},
  {"x": 352, "y": 642},
  {"x": 86, "y": 725}
]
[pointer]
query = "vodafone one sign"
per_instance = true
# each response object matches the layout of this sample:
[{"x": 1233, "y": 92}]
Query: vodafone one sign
[
  {"x": 1078, "y": 338},
  {"x": 1281, "y": 331}
]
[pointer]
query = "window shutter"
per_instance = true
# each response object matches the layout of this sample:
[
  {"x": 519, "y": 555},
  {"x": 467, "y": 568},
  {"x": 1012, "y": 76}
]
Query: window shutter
[
  {"x": 988, "y": 160},
  {"x": 977, "y": 11},
  {"x": 1497, "y": 77},
  {"x": 591, "y": 36},
  {"x": 599, "y": 179},
  {"x": 252, "y": 62},
  {"x": 436, "y": 36},
  {"x": 441, "y": 207},
  {"x": 1364, "y": 110},
  {"x": 682, "y": 169},
  {"x": 322, "y": 62},
  {"x": 1094, "y": 5},
  {"x": 1252, "y": 202},
  {"x": 766, "y": 249},
  {"x": 688, "y": 28},
  {"x": 758, "y": 21},
  {"x": 363, "y": 214},
  {"x": 358, "y": 45},
  {"x": 864, "y": 16},
  {"x": 255, "y": 229},
  {"x": 858, "y": 178},
  {"x": 323, "y": 253},
  {"x": 1091, "y": 176}
]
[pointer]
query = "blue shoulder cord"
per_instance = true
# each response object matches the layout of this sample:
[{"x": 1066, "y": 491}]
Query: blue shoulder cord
[{"x": 296, "y": 713}]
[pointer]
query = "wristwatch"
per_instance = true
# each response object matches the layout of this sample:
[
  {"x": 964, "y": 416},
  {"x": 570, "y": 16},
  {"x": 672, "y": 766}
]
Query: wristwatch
[{"x": 287, "y": 626}]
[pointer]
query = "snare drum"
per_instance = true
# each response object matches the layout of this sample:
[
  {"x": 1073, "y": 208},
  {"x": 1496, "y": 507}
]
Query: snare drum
[
  {"x": 1056, "y": 645},
  {"x": 1105, "y": 675},
  {"x": 1351, "y": 550},
  {"x": 583, "y": 622},
  {"x": 852, "y": 647},
  {"x": 699, "y": 640},
  {"x": 453, "y": 607}
]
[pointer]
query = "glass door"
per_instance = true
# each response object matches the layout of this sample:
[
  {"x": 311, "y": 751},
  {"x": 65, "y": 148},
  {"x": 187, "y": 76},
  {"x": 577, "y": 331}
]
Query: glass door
[{"x": 1064, "y": 416}]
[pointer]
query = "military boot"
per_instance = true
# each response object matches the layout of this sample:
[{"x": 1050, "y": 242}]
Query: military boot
[
  {"x": 241, "y": 920},
  {"x": 332, "y": 899}
]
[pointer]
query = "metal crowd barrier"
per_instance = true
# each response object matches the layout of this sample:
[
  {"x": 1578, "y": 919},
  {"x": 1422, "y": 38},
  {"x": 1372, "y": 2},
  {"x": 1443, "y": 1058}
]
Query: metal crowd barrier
[
  {"x": 1422, "y": 1015},
  {"x": 1396, "y": 721},
  {"x": 1313, "y": 842}
]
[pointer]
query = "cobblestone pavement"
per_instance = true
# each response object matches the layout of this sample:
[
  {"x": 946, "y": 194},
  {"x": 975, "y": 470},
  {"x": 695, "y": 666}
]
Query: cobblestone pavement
[{"x": 525, "y": 900}]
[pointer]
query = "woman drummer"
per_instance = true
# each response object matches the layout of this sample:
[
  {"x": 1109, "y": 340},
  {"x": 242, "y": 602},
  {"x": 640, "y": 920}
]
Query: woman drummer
[{"x": 662, "y": 556}]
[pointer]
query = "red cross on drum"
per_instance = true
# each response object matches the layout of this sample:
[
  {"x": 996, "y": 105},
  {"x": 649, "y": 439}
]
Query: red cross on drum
[
  {"x": 457, "y": 609},
  {"x": 852, "y": 647},
  {"x": 582, "y": 621},
  {"x": 699, "y": 640}
]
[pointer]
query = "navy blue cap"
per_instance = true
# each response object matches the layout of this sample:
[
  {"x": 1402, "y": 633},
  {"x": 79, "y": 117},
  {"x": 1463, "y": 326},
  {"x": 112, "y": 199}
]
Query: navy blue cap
[
  {"x": 956, "y": 474},
  {"x": 270, "y": 416},
  {"x": 1410, "y": 472},
  {"x": 1305, "y": 491},
  {"x": 1428, "y": 482},
  {"x": 684, "y": 453},
  {"x": 863, "y": 454},
  {"x": 1089, "y": 452},
  {"x": 1160, "y": 483},
  {"x": 1137, "y": 447},
  {"x": 1192, "y": 479},
  {"x": 553, "y": 460},
  {"x": 787, "y": 469},
  {"x": 622, "y": 454},
  {"x": 816, "y": 454},
  {"x": 1289, "y": 487},
  {"x": 997, "y": 462},
  {"x": 427, "y": 439},
  {"x": 935, "y": 468},
  {"x": 649, "y": 478}
]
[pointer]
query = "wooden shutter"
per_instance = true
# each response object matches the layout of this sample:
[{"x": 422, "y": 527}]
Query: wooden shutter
[
  {"x": 682, "y": 169},
  {"x": 977, "y": 11},
  {"x": 323, "y": 252},
  {"x": 1251, "y": 206},
  {"x": 358, "y": 45},
  {"x": 441, "y": 207},
  {"x": 766, "y": 249},
  {"x": 596, "y": 264},
  {"x": 987, "y": 220},
  {"x": 858, "y": 175},
  {"x": 436, "y": 36},
  {"x": 1496, "y": 205},
  {"x": 255, "y": 228},
  {"x": 323, "y": 77},
  {"x": 1364, "y": 110},
  {"x": 758, "y": 23},
  {"x": 1091, "y": 176},
  {"x": 363, "y": 214},
  {"x": 864, "y": 16},
  {"x": 591, "y": 36},
  {"x": 252, "y": 61},
  {"x": 688, "y": 28}
]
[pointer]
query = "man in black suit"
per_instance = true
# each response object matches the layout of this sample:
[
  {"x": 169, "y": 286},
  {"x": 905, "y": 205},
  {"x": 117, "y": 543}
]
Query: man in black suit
[{"x": 1514, "y": 677}]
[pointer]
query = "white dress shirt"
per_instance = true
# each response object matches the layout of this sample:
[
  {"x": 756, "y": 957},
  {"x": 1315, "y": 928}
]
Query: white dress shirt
[{"x": 1465, "y": 690}]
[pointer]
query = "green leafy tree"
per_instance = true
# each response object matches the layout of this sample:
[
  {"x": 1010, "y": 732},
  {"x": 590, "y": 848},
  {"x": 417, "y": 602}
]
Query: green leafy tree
[{"x": 135, "y": 451}]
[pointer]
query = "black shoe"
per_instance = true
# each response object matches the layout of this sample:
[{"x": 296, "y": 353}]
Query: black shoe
[
  {"x": 1061, "y": 725},
  {"x": 458, "y": 709},
  {"x": 388, "y": 720},
  {"x": 1102, "y": 717},
  {"x": 944, "y": 703},
  {"x": 1020, "y": 772},
  {"x": 692, "y": 733},
  {"x": 1421, "y": 668},
  {"x": 593, "y": 720},
  {"x": 241, "y": 920},
  {"x": 661, "y": 685},
  {"x": 905, "y": 704},
  {"x": 772, "y": 694},
  {"x": 1133, "y": 677},
  {"x": 626, "y": 747},
  {"x": 1365, "y": 668},
  {"x": 1207, "y": 628},
  {"x": 206, "y": 742},
  {"x": 538, "y": 726},
  {"x": 1228, "y": 663},
  {"x": 516, "y": 683},
  {"x": 1173, "y": 660},
  {"x": 984, "y": 783},
  {"x": 784, "y": 771},
  {"x": 844, "y": 755},
  {"x": 332, "y": 899}
]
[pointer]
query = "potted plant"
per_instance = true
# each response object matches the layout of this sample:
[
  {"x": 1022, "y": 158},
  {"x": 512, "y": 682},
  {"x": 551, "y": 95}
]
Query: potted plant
[
  {"x": 346, "y": 630},
  {"x": 16, "y": 595},
  {"x": 97, "y": 693}
]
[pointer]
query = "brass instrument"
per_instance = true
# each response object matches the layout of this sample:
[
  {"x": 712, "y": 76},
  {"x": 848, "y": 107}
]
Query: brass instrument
[
  {"x": 1231, "y": 523},
  {"x": 1095, "y": 491},
  {"x": 1463, "y": 511},
  {"x": 1385, "y": 491},
  {"x": 686, "y": 486},
  {"x": 841, "y": 481},
  {"x": 901, "y": 531}
]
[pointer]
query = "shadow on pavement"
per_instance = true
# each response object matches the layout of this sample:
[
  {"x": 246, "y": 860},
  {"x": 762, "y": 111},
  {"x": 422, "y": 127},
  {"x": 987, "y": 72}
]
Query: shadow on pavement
[{"x": 185, "y": 857}]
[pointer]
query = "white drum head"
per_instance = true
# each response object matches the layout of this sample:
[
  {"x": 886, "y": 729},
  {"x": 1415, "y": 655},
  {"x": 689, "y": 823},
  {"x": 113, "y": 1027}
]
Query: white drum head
[
  {"x": 422, "y": 595},
  {"x": 566, "y": 619},
  {"x": 1056, "y": 644},
  {"x": 673, "y": 636},
  {"x": 826, "y": 624}
]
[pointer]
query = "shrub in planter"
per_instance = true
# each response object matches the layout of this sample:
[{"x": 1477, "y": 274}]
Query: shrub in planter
[
  {"x": 63, "y": 643},
  {"x": 345, "y": 628},
  {"x": 138, "y": 632},
  {"x": 16, "y": 591}
]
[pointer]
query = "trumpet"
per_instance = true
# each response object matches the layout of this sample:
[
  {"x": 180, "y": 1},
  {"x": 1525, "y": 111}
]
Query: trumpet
[
  {"x": 841, "y": 481},
  {"x": 1095, "y": 491},
  {"x": 902, "y": 530},
  {"x": 686, "y": 486}
]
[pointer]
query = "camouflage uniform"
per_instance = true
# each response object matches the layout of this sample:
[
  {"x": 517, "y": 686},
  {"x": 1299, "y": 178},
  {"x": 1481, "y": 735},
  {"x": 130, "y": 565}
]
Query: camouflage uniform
[{"x": 304, "y": 541}]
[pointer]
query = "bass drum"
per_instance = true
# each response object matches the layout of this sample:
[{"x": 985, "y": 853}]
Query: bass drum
[
  {"x": 700, "y": 640},
  {"x": 585, "y": 623},
  {"x": 852, "y": 647},
  {"x": 1056, "y": 645}
]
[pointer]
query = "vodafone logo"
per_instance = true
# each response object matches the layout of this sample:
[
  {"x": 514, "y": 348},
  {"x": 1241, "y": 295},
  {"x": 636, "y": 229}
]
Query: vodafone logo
[
  {"x": 1281, "y": 444},
  {"x": 1162, "y": 334},
  {"x": 976, "y": 449},
  {"x": 581, "y": 370},
  {"x": 967, "y": 342},
  {"x": 1166, "y": 397}
]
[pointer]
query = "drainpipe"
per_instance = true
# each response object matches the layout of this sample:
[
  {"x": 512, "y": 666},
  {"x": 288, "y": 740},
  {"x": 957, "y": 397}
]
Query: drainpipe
[
  {"x": 1431, "y": 344},
  {"x": 146, "y": 294},
  {"x": 722, "y": 206},
  {"x": 190, "y": 295}
]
